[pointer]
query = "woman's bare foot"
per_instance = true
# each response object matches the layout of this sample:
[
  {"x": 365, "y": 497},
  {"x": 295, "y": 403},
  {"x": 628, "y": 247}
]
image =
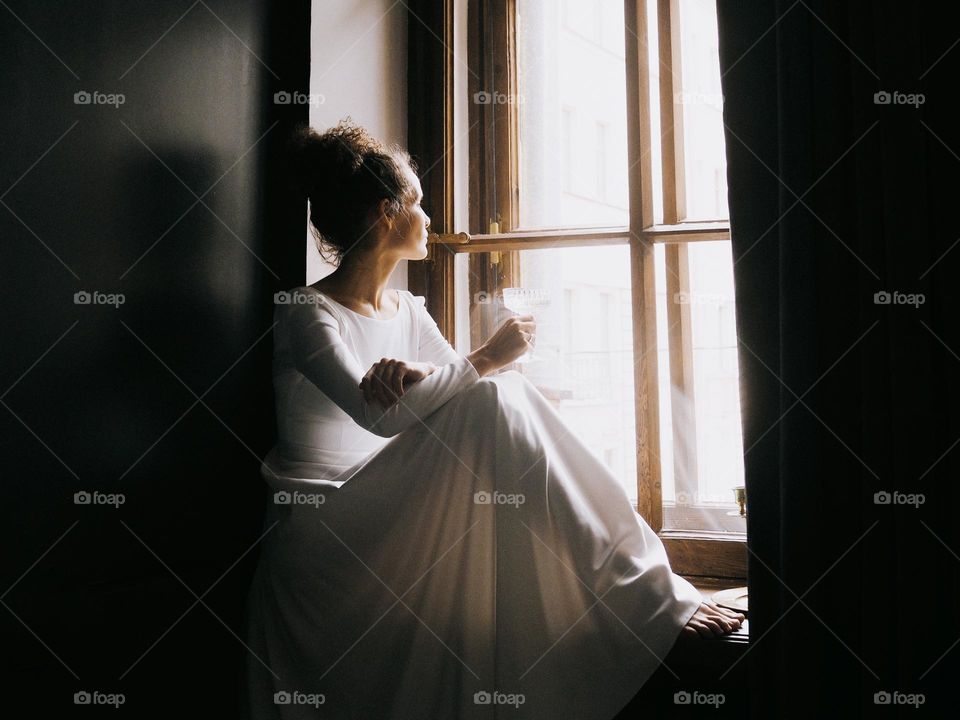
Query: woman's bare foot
[{"x": 711, "y": 620}]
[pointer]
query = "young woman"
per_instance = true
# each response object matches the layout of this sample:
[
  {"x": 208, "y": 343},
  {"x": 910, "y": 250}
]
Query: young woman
[{"x": 439, "y": 544}]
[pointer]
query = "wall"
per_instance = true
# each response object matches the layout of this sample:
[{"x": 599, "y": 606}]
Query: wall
[
  {"x": 359, "y": 69},
  {"x": 172, "y": 201}
]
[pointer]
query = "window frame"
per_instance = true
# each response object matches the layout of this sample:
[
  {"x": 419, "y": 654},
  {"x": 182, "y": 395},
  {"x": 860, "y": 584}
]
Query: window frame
[{"x": 494, "y": 70}]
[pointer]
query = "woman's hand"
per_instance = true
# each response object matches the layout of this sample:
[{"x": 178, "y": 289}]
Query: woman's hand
[
  {"x": 510, "y": 341},
  {"x": 386, "y": 380}
]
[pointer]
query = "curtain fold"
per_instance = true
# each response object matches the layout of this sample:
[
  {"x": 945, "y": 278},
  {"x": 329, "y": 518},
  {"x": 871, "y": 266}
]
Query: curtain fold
[{"x": 843, "y": 160}]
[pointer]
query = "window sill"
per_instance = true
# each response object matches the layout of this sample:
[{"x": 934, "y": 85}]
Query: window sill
[
  {"x": 705, "y": 554},
  {"x": 710, "y": 555}
]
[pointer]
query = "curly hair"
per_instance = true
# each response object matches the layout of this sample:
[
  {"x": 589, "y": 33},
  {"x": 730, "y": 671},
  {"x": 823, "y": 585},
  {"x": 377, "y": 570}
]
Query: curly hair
[{"x": 344, "y": 172}]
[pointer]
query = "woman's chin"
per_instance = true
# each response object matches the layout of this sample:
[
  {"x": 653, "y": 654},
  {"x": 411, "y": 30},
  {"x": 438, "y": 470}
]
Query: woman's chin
[{"x": 418, "y": 253}]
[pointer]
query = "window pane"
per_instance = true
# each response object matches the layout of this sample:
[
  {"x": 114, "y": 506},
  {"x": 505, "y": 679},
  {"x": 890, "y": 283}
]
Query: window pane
[
  {"x": 572, "y": 108},
  {"x": 711, "y": 429},
  {"x": 584, "y": 342},
  {"x": 699, "y": 104},
  {"x": 715, "y": 368}
]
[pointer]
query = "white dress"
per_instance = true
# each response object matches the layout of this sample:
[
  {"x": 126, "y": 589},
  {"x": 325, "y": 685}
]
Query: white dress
[{"x": 461, "y": 555}]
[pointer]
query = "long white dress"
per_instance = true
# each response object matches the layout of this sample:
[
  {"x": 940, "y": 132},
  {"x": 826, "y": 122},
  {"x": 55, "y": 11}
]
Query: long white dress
[{"x": 461, "y": 555}]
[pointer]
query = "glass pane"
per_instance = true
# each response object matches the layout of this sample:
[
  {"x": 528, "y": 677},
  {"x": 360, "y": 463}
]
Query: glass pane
[
  {"x": 712, "y": 426},
  {"x": 583, "y": 359},
  {"x": 699, "y": 103},
  {"x": 572, "y": 107},
  {"x": 715, "y": 369}
]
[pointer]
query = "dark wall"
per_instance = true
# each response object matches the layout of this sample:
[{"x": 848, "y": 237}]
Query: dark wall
[{"x": 166, "y": 397}]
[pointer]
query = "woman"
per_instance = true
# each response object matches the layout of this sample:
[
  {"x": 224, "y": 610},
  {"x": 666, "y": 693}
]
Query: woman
[{"x": 439, "y": 544}]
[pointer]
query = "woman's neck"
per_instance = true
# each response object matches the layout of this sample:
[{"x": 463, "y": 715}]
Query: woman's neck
[{"x": 362, "y": 283}]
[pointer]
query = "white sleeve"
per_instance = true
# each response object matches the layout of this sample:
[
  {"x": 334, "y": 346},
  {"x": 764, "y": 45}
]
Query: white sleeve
[
  {"x": 433, "y": 345},
  {"x": 320, "y": 354}
]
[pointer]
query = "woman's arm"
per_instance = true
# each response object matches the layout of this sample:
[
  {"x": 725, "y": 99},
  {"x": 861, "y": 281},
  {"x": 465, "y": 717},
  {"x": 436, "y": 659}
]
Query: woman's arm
[
  {"x": 434, "y": 347},
  {"x": 320, "y": 354},
  {"x": 502, "y": 348}
]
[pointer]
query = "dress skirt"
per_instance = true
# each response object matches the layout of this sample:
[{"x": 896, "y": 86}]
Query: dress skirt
[{"x": 483, "y": 563}]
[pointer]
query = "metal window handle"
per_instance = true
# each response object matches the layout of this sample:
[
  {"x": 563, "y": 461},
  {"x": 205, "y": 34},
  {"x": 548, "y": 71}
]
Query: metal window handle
[{"x": 460, "y": 238}]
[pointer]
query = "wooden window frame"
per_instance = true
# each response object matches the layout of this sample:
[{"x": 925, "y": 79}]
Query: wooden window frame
[{"x": 494, "y": 196}]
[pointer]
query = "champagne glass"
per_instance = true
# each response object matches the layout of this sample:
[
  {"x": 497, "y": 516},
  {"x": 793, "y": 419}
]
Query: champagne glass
[{"x": 526, "y": 301}]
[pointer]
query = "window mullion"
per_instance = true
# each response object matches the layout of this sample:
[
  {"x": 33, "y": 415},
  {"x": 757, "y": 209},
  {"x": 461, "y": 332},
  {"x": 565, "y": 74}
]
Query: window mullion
[{"x": 642, "y": 269}]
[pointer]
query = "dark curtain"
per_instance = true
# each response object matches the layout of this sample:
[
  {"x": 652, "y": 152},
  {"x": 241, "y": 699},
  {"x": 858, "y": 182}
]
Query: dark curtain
[{"x": 843, "y": 221}]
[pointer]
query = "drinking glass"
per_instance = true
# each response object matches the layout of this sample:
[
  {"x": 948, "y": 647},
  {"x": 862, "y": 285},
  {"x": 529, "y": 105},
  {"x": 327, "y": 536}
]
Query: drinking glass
[{"x": 526, "y": 301}]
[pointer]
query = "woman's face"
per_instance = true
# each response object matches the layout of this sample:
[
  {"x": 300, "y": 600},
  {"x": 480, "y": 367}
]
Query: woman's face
[{"x": 412, "y": 223}]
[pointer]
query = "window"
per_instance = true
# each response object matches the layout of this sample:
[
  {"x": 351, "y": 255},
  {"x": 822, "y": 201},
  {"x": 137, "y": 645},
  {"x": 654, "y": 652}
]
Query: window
[{"x": 597, "y": 174}]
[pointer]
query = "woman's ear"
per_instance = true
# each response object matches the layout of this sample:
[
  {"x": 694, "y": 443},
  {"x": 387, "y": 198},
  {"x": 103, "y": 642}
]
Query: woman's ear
[{"x": 382, "y": 213}]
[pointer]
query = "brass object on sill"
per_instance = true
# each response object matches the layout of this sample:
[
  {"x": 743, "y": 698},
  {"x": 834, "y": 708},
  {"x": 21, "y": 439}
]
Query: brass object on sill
[{"x": 740, "y": 497}]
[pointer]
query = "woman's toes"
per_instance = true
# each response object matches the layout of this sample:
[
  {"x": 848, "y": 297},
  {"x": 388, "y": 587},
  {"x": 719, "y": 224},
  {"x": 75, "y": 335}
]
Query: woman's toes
[
  {"x": 696, "y": 628},
  {"x": 714, "y": 626},
  {"x": 711, "y": 620},
  {"x": 735, "y": 619},
  {"x": 726, "y": 624}
]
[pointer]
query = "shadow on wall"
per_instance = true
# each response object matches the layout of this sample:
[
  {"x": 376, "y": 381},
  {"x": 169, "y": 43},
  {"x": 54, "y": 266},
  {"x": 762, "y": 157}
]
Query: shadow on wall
[
  {"x": 142, "y": 404},
  {"x": 150, "y": 392}
]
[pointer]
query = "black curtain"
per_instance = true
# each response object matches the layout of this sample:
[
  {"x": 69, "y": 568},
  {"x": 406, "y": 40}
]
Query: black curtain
[{"x": 842, "y": 163}]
